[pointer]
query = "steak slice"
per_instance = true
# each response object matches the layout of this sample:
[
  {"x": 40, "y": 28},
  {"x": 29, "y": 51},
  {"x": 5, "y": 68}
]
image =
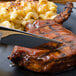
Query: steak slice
[{"x": 47, "y": 60}]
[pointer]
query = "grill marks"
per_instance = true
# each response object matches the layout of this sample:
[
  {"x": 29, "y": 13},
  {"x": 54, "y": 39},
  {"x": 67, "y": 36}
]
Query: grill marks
[
  {"x": 45, "y": 30},
  {"x": 63, "y": 16},
  {"x": 53, "y": 30},
  {"x": 49, "y": 32},
  {"x": 44, "y": 60}
]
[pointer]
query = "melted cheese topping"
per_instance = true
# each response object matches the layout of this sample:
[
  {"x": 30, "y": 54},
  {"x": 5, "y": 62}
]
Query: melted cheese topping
[{"x": 16, "y": 14}]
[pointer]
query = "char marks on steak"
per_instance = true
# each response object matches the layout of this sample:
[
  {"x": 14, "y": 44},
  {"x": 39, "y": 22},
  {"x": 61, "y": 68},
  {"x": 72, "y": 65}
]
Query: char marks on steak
[
  {"x": 48, "y": 60},
  {"x": 63, "y": 16}
]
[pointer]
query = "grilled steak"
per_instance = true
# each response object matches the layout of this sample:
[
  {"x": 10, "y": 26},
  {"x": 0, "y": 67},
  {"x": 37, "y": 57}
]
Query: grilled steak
[{"x": 48, "y": 59}]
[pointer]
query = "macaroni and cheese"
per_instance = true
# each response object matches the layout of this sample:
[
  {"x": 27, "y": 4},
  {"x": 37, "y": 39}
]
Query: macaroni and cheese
[{"x": 16, "y": 14}]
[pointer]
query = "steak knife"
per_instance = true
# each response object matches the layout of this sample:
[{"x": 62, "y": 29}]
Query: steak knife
[{"x": 21, "y": 38}]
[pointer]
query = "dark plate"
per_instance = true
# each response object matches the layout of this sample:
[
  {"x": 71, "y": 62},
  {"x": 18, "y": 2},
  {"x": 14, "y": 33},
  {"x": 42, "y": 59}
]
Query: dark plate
[{"x": 6, "y": 50}]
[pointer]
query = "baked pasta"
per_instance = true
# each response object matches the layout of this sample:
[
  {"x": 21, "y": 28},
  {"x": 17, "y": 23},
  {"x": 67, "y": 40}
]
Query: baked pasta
[{"x": 18, "y": 13}]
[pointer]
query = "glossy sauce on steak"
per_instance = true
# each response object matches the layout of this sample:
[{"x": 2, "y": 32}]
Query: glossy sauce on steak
[{"x": 48, "y": 59}]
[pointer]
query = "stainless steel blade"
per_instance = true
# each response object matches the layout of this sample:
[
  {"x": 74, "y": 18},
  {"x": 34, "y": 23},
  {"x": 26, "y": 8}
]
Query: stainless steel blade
[{"x": 21, "y": 38}]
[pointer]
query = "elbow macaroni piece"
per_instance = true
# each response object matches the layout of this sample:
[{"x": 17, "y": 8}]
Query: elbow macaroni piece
[
  {"x": 42, "y": 16},
  {"x": 17, "y": 14},
  {"x": 43, "y": 1},
  {"x": 53, "y": 9},
  {"x": 43, "y": 8},
  {"x": 13, "y": 15},
  {"x": 31, "y": 15},
  {"x": 6, "y": 24},
  {"x": 51, "y": 4},
  {"x": 50, "y": 14}
]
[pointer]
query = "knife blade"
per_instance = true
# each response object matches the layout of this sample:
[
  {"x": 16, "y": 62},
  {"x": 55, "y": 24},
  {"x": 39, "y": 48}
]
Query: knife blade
[{"x": 21, "y": 38}]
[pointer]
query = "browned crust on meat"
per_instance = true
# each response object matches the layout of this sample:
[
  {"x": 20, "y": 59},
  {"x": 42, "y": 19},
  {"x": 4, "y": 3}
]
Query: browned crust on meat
[
  {"x": 44, "y": 60},
  {"x": 47, "y": 60},
  {"x": 63, "y": 16}
]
